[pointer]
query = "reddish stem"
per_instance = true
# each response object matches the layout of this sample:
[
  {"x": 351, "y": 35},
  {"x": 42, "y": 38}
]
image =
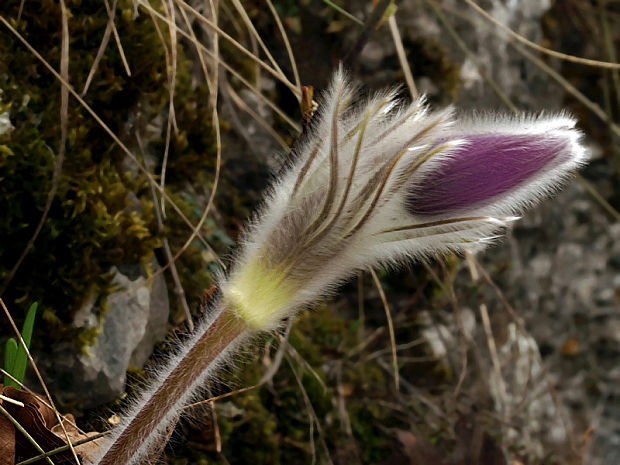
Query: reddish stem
[{"x": 150, "y": 417}]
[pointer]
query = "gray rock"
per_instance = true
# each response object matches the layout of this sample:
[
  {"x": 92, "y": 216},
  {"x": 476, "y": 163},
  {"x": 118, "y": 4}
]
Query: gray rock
[
  {"x": 5, "y": 124},
  {"x": 522, "y": 81},
  {"x": 134, "y": 322}
]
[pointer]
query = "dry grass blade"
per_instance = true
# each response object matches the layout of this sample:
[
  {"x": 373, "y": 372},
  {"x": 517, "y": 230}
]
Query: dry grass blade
[
  {"x": 110, "y": 28},
  {"x": 388, "y": 316},
  {"x": 11, "y": 401},
  {"x": 476, "y": 267},
  {"x": 291, "y": 351},
  {"x": 258, "y": 118},
  {"x": 64, "y": 110},
  {"x": 178, "y": 287},
  {"x": 343, "y": 12},
  {"x": 218, "y": 144},
  {"x": 42, "y": 400},
  {"x": 215, "y": 121},
  {"x": 609, "y": 47},
  {"x": 194, "y": 40},
  {"x": 117, "y": 39},
  {"x": 277, "y": 359},
  {"x": 256, "y": 35},
  {"x": 593, "y": 107},
  {"x": 202, "y": 48},
  {"x": 104, "y": 44},
  {"x": 535, "y": 46},
  {"x": 287, "y": 44},
  {"x": 235, "y": 43},
  {"x": 402, "y": 57},
  {"x": 313, "y": 417},
  {"x": 171, "y": 70},
  {"x": 486, "y": 324},
  {"x": 598, "y": 197},
  {"x": 222, "y": 396},
  {"x": 373, "y": 20},
  {"x": 449, "y": 289}
]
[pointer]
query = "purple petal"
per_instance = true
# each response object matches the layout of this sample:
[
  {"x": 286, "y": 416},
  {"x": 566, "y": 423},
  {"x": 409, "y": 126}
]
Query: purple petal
[{"x": 486, "y": 167}]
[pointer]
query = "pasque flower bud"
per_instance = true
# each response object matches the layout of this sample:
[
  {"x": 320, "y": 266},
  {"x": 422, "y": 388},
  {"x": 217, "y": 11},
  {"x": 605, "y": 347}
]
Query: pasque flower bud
[
  {"x": 380, "y": 182},
  {"x": 373, "y": 183}
]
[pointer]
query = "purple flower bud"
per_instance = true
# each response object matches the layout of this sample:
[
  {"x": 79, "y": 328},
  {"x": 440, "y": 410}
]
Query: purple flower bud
[{"x": 489, "y": 167}]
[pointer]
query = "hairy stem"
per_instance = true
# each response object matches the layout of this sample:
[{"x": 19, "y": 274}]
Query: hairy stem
[{"x": 214, "y": 341}]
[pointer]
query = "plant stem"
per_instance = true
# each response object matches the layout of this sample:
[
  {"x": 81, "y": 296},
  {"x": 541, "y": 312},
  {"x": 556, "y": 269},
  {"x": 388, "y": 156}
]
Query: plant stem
[{"x": 213, "y": 342}]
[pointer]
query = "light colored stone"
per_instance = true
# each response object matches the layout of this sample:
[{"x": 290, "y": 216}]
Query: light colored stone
[{"x": 133, "y": 323}]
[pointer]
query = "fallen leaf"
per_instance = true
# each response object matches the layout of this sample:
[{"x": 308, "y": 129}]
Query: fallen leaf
[
  {"x": 7, "y": 440},
  {"x": 37, "y": 419}
]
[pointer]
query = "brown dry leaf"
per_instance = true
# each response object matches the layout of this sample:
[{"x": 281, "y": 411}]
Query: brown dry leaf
[
  {"x": 36, "y": 418},
  {"x": 86, "y": 451},
  {"x": 7, "y": 440}
]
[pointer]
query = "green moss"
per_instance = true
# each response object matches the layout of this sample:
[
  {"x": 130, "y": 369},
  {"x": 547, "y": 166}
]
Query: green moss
[{"x": 103, "y": 213}]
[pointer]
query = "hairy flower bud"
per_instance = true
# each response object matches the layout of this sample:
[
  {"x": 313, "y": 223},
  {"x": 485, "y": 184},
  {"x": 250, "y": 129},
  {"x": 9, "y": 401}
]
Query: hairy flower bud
[
  {"x": 384, "y": 181},
  {"x": 375, "y": 183}
]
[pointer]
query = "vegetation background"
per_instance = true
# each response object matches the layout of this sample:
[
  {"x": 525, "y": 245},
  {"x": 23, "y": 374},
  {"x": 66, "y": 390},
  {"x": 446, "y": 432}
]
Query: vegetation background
[{"x": 186, "y": 109}]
